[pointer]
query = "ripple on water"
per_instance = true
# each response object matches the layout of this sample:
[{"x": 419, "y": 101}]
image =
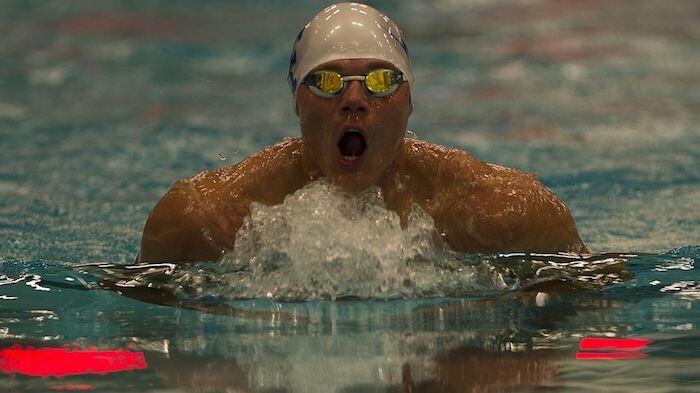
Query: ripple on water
[{"x": 323, "y": 243}]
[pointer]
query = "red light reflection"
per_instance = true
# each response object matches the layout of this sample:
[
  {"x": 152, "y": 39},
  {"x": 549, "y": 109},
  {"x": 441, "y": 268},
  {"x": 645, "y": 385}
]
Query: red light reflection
[
  {"x": 617, "y": 344},
  {"x": 60, "y": 362},
  {"x": 621, "y": 348}
]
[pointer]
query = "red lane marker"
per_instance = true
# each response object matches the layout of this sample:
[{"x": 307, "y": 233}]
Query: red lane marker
[
  {"x": 60, "y": 362},
  {"x": 617, "y": 344},
  {"x": 610, "y": 355}
]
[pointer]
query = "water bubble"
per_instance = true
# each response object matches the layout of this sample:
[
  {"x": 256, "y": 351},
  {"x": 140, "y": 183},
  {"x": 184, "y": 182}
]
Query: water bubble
[{"x": 322, "y": 242}]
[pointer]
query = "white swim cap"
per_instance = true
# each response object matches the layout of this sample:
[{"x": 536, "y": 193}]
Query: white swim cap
[{"x": 347, "y": 31}]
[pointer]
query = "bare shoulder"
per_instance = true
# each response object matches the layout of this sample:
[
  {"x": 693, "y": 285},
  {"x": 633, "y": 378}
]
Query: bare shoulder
[
  {"x": 510, "y": 210},
  {"x": 178, "y": 229},
  {"x": 432, "y": 156},
  {"x": 439, "y": 170},
  {"x": 197, "y": 219},
  {"x": 489, "y": 208},
  {"x": 245, "y": 176}
]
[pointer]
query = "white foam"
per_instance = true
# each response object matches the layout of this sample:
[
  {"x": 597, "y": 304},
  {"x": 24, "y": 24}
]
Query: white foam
[{"x": 324, "y": 243}]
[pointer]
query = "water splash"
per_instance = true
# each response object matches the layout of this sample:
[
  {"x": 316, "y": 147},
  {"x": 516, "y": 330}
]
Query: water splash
[{"x": 322, "y": 242}]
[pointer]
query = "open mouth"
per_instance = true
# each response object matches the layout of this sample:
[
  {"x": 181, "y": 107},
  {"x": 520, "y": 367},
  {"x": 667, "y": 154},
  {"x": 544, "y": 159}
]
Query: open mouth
[{"x": 351, "y": 145}]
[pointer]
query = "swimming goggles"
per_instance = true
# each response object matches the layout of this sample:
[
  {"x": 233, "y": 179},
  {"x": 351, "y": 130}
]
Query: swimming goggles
[{"x": 329, "y": 84}]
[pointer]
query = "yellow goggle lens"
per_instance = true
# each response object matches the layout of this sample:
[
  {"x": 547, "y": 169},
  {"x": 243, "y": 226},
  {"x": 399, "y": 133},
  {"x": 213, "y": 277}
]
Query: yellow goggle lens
[
  {"x": 329, "y": 82},
  {"x": 379, "y": 81}
]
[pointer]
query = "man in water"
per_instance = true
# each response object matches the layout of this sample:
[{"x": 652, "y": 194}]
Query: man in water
[{"x": 350, "y": 77}]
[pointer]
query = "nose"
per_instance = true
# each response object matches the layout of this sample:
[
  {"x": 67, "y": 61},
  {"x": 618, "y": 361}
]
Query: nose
[{"x": 354, "y": 98}]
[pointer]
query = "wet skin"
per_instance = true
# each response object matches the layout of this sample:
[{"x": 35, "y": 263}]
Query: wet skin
[{"x": 477, "y": 206}]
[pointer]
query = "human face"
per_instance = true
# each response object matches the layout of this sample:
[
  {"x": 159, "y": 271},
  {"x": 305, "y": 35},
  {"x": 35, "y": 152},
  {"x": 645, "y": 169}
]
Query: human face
[{"x": 355, "y": 138}]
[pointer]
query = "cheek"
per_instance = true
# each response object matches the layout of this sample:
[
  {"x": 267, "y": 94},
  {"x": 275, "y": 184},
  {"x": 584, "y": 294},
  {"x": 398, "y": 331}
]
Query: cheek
[
  {"x": 312, "y": 111},
  {"x": 313, "y": 123},
  {"x": 394, "y": 117},
  {"x": 396, "y": 108}
]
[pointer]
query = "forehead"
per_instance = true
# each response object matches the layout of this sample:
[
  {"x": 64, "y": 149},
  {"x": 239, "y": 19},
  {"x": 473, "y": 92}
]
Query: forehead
[{"x": 354, "y": 66}]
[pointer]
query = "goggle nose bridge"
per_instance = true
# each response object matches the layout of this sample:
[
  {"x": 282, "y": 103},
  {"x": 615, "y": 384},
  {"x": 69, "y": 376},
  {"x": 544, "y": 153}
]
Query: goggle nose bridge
[{"x": 349, "y": 78}]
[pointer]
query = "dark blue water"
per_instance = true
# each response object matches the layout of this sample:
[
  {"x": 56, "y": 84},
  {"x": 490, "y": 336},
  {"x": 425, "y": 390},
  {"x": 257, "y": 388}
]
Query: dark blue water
[{"x": 104, "y": 105}]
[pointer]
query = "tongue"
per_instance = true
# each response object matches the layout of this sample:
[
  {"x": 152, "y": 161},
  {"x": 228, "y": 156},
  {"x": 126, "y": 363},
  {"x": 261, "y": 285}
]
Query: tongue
[{"x": 352, "y": 144}]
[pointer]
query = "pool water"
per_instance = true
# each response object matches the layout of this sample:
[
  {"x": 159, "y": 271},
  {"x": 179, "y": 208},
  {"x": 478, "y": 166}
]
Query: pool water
[{"x": 104, "y": 105}]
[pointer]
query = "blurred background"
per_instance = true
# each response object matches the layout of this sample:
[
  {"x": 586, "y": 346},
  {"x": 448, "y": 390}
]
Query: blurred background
[{"x": 104, "y": 104}]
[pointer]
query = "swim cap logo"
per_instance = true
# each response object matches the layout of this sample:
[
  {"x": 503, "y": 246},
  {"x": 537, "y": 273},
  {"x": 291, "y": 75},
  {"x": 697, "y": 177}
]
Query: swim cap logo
[
  {"x": 400, "y": 41},
  {"x": 292, "y": 63}
]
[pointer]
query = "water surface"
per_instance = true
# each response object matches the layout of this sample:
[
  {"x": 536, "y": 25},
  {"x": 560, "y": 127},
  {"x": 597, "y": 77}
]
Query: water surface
[{"x": 104, "y": 105}]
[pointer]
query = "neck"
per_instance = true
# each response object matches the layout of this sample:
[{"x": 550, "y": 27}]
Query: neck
[{"x": 391, "y": 180}]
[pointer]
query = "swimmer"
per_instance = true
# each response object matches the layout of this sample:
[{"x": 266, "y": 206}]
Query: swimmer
[{"x": 351, "y": 81}]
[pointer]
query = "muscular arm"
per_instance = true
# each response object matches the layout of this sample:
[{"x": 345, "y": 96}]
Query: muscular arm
[
  {"x": 521, "y": 215},
  {"x": 487, "y": 208},
  {"x": 177, "y": 230},
  {"x": 198, "y": 218}
]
